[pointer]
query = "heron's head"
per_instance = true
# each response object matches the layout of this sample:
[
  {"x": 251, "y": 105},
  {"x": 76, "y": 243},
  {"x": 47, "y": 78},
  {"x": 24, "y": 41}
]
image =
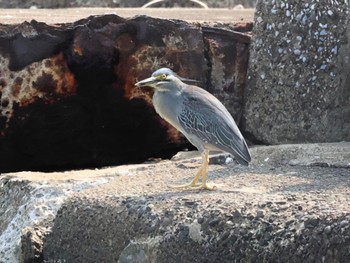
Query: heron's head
[{"x": 163, "y": 78}]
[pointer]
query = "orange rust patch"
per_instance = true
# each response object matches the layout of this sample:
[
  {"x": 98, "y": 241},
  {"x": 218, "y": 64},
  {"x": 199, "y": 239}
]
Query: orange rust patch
[
  {"x": 76, "y": 48},
  {"x": 146, "y": 57},
  {"x": 68, "y": 85},
  {"x": 65, "y": 80},
  {"x": 45, "y": 83},
  {"x": 48, "y": 80},
  {"x": 56, "y": 80}
]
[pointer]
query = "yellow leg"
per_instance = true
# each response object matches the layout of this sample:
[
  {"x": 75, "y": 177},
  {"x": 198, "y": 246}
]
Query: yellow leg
[{"x": 194, "y": 185}]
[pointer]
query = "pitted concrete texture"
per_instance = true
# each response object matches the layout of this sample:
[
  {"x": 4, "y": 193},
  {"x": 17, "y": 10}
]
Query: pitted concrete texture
[
  {"x": 29, "y": 202},
  {"x": 291, "y": 204},
  {"x": 298, "y": 77}
]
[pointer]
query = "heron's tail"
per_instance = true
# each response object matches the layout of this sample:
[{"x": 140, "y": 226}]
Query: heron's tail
[{"x": 242, "y": 154}]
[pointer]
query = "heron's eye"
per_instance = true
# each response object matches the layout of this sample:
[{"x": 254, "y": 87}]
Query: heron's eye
[{"x": 161, "y": 77}]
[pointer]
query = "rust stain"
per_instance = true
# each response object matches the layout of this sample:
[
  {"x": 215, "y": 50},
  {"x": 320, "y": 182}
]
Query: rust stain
[
  {"x": 140, "y": 65},
  {"x": 45, "y": 83},
  {"x": 66, "y": 83},
  {"x": 77, "y": 50},
  {"x": 47, "y": 80}
]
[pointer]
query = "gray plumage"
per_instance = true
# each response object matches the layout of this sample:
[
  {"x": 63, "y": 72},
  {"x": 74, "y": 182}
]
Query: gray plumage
[{"x": 204, "y": 117}]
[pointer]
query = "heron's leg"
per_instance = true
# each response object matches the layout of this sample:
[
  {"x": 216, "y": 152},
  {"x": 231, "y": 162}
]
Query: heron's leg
[
  {"x": 204, "y": 184},
  {"x": 202, "y": 169},
  {"x": 193, "y": 183},
  {"x": 202, "y": 172},
  {"x": 205, "y": 157}
]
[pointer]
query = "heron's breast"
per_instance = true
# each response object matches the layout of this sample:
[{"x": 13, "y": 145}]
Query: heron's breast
[{"x": 168, "y": 106}]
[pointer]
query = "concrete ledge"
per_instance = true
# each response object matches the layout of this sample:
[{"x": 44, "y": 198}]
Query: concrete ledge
[{"x": 269, "y": 211}]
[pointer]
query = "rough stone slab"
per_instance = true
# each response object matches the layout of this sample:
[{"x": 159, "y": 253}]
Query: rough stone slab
[
  {"x": 318, "y": 154},
  {"x": 298, "y": 78},
  {"x": 29, "y": 198},
  {"x": 269, "y": 211}
]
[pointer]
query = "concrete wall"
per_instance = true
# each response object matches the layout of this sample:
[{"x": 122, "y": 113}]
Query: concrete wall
[{"x": 298, "y": 81}]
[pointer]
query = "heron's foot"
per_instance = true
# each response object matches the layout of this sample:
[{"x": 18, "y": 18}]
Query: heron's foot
[
  {"x": 195, "y": 186},
  {"x": 190, "y": 185}
]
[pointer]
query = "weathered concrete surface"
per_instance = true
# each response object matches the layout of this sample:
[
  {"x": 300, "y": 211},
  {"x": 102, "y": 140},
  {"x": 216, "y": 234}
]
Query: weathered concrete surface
[
  {"x": 298, "y": 79},
  {"x": 270, "y": 211},
  {"x": 67, "y": 91}
]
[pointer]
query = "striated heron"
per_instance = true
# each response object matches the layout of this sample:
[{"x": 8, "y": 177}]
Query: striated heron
[{"x": 198, "y": 115}]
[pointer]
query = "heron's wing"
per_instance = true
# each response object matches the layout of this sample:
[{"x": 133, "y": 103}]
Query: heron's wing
[{"x": 205, "y": 117}]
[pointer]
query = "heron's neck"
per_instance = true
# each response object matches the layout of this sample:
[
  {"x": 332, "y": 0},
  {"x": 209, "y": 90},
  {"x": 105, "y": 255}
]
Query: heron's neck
[{"x": 171, "y": 88}]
